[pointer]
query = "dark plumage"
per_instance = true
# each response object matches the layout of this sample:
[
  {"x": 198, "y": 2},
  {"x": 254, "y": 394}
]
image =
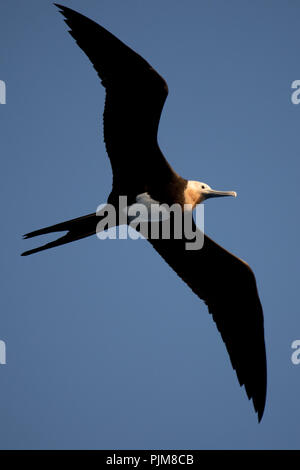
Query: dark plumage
[{"x": 135, "y": 95}]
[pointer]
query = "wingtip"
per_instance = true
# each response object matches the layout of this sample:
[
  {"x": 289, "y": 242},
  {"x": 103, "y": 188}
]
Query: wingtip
[
  {"x": 259, "y": 406},
  {"x": 258, "y": 402},
  {"x": 260, "y": 412},
  {"x": 61, "y": 8}
]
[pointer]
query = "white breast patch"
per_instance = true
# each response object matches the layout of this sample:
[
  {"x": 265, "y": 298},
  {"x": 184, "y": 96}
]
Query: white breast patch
[{"x": 147, "y": 209}]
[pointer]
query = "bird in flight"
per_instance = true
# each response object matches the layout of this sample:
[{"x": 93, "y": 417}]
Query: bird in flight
[{"x": 135, "y": 95}]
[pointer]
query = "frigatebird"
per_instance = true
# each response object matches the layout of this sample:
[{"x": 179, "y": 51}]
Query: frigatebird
[{"x": 135, "y": 95}]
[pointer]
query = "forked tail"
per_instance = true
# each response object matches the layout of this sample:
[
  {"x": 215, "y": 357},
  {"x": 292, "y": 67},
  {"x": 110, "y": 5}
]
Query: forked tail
[{"x": 77, "y": 228}]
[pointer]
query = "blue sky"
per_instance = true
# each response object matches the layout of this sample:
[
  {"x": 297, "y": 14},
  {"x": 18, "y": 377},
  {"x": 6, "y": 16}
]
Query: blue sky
[{"x": 106, "y": 346}]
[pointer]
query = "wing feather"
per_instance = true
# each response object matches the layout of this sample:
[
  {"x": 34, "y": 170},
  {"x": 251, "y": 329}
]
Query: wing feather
[
  {"x": 135, "y": 95},
  {"x": 228, "y": 287}
]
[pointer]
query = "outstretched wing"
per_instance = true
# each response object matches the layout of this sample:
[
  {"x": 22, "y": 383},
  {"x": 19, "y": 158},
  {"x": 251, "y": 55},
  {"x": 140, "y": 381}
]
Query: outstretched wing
[
  {"x": 135, "y": 95},
  {"x": 228, "y": 287}
]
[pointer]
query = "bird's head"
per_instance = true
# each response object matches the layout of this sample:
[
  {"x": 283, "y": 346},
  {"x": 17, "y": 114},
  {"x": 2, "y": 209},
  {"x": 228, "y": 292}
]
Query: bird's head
[{"x": 196, "y": 192}]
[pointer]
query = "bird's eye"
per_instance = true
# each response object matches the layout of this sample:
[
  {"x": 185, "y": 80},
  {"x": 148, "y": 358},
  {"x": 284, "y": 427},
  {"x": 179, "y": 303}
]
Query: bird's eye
[{"x": 203, "y": 187}]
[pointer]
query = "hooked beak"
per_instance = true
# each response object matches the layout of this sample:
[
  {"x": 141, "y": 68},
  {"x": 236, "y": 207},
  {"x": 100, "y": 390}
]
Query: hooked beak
[{"x": 212, "y": 193}]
